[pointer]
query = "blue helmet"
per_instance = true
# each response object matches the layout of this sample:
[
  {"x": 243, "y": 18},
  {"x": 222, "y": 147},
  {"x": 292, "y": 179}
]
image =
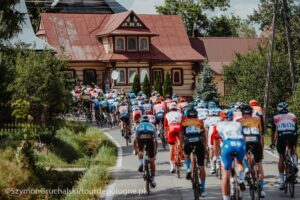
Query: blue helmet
[
  {"x": 283, "y": 107},
  {"x": 212, "y": 104}
]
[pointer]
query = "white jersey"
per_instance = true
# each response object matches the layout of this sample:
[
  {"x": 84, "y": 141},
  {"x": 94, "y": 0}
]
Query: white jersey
[
  {"x": 237, "y": 115},
  {"x": 230, "y": 130},
  {"x": 209, "y": 126},
  {"x": 174, "y": 117},
  {"x": 202, "y": 113}
]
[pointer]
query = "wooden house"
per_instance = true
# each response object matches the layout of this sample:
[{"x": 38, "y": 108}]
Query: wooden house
[{"x": 127, "y": 42}]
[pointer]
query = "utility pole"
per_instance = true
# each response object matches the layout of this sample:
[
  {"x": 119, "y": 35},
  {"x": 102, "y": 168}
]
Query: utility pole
[
  {"x": 289, "y": 42},
  {"x": 269, "y": 69}
]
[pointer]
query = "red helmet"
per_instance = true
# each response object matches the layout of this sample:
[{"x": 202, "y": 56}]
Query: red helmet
[
  {"x": 161, "y": 98},
  {"x": 223, "y": 115},
  {"x": 253, "y": 102},
  {"x": 148, "y": 112},
  {"x": 182, "y": 100}
]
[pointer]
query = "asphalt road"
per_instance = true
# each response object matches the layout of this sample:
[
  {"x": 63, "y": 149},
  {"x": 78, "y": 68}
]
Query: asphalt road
[{"x": 129, "y": 184}]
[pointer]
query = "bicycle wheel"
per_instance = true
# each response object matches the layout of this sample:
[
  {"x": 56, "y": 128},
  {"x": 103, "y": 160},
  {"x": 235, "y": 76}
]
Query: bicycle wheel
[
  {"x": 291, "y": 183},
  {"x": 196, "y": 184},
  {"x": 147, "y": 177},
  {"x": 162, "y": 138}
]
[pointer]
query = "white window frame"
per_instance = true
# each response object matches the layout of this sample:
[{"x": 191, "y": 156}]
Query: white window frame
[
  {"x": 180, "y": 77},
  {"x": 136, "y": 43},
  {"x": 141, "y": 74},
  {"x": 125, "y": 75},
  {"x": 116, "y": 43},
  {"x": 128, "y": 75},
  {"x": 140, "y": 43}
]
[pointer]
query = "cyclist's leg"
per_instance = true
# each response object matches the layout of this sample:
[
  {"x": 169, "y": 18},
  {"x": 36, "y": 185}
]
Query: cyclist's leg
[
  {"x": 240, "y": 148},
  {"x": 257, "y": 151},
  {"x": 200, "y": 153},
  {"x": 140, "y": 153},
  {"x": 187, "y": 152},
  {"x": 227, "y": 163},
  {"x": 281, "y": 146},
  {"x": 171, "y": 141}
]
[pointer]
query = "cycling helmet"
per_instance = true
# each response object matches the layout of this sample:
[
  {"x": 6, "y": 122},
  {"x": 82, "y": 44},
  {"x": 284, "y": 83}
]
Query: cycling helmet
[
  {"x": 161, "y": 98},
  {"x": 145, "y": 118},
  {"x": 138, "y": 98},
  {"x": 247, "y": 110},
  {"x": 202, "y": 105},
  {"x": 174, "y": 101},
  {"x": 192, "y": 113},
  {"x": 172, "y": 106},
  {"x": 182, "y": 100},
  {"x": 153, "y": 93},
  {"x": 140, "y": 93},
  {"x": 212, "y": 104},
  {"x": 223, "y": 114},
  {"x": 238, "y": 105},
  {"x": 283, "y": 107},
  {"x": 148, "y": 112},
  {"x": 168, "y": 96},
  {"x": 146, "y": 101},
  {"x": 253, "y": 102}
]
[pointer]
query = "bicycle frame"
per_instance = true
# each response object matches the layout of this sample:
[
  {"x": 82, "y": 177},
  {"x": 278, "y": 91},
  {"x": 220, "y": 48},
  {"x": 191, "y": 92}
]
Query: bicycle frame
[
  {"x": 147, "y": 172},
  {"x": 195, "y": 175},
  {"x": 252, "y": 176},
  {"x": 234, "y": 182},
  {"x": 290, "y": 176}
]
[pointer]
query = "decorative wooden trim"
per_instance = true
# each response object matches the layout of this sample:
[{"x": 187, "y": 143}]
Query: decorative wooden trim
[
  {"x": 89, "y": 69},
  {"x": 181, "y": 71}
]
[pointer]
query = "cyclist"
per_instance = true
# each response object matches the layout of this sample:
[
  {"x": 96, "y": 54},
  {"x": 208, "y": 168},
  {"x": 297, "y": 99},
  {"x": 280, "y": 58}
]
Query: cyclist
[
  {"x": 111, "y": 107},
  {"x": 237, "y": 111},
  {"x": 168, "y": 100},
  {"x": 173, "y": 129},
  {"x": 159, "y": 111},
  {"x": 136, "y": 111},
  {"x": 257, "y": 112},
  {"x": 202, "y": 111},
  {"x": 146, "y": 106},
  {"x": 146, "y": 135},
  {"x": 212, "y": 119},
  {"x": 252, "y": 131},
  {"x": 183, "y": 105},
  {"x": 194, "y": 136},
  {"x": 96, "y": 103},
  {"x": 233, "y": 142},
  {"x": 124, "y": 117},
  {"x": 284, "y": 129},
  {"x": 152, "y": 119}
]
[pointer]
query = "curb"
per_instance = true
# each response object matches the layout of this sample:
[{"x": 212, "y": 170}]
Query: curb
[{"x": 108, "y": 193}]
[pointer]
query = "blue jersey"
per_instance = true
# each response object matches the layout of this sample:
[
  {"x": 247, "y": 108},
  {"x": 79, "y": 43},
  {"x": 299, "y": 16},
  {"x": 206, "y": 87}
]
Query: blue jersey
[
  {"x": 104, "y": 104},
  {"x": 147, "y": 106},
  {"x": 133, "y": 108},
  {"x": 146, "y": 129},
  {"x": 96, "y": 104}
]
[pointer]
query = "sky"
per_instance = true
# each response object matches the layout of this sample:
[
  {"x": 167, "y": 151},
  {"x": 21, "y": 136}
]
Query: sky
[{"x": 242, "y": 8}]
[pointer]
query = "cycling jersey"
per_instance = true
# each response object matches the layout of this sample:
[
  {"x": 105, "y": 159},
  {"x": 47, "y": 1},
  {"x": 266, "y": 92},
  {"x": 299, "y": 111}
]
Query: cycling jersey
[
  {"x": 183, "y": 106},
  {"x": 124, "y": 114},
  {"x": 136, "y": 113},
  {"x": 237, "y": 115},
  {"x": 193, "y": 130},
  {"x": 104, "y": 105},
  {"x": 252, "y": 131},
  {"x": 202, "y": 113},
  {"x": 147, "y": 106},
  {"x": 209, "y": 124},
  {"x": 96, "y": 104},
  {"x": 146, "y": 135},
  {"x": 172, "y": 123},
  {"x": 168, "y": 102},
  {"x": 231, "y": 133},
  {"x": 159, "y": 111},
  {"x": 152, "y": 119},
  {"x": 285, "y": 124}
]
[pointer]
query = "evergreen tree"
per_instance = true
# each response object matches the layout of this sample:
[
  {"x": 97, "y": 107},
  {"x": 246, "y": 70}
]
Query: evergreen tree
[
  {"x": 146, "y": 88},
  {"x": 167, "y": 86},
  {"x": 206, "y": 88},
  {"x": 158, "y": 85},
  {"x": 136, "y": 86}
]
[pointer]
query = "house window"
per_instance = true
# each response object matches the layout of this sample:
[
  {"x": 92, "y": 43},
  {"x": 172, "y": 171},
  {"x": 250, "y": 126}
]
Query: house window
[
  {"x": 89, "y": 76},
  {"x": 177, "y": 77},
  {"x": 143, "y": 73},
  {"x": 157, "y": 72},
  {"x": 131, "y": 74},
  {"x": 70, "y": 73},
  {"x": 122, "y": 76},
  {"x": 132, "y": 43},
  {"x": 144, "y": 44},
  {"x": 120, "y": 43}
]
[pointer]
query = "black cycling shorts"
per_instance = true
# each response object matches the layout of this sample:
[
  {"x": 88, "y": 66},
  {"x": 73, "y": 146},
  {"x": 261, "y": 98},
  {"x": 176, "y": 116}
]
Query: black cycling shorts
[
  {"x": 150, "y": 146},
  {"x": 256, "y": 150},
  {"x": 125, "y": 119},
  {"x": 283, "y": 140},
  {"x": 200, "y": 151}
]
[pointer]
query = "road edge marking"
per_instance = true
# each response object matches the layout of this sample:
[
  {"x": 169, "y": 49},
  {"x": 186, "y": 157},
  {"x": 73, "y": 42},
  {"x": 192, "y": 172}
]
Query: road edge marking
[{"x": 109, "y": 189}]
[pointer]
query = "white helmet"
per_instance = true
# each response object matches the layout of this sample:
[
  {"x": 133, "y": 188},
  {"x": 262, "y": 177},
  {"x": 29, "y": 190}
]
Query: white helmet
[{"x": 173, "y": 106}]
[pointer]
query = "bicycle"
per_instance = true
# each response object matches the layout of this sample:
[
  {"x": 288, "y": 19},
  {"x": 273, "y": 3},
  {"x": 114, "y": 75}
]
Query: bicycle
[
  {"x": 236, "y": 193},
  {"x": 147, "y": 173},
  {"x": 197, "y": 188},
  {"x": 162, "y": 135},
  {"x": 252, "y": 176},
  {"x": 219, "y": 168},
  {"x": 126, "y": 135},
  {"x": 290, "y": 174}
]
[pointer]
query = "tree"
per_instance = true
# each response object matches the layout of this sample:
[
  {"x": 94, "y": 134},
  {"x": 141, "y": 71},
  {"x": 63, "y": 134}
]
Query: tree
[
  {"x": 206, "y": 88},
  {"x": 229, "y": 26},
  {"x": 10, "y": 19},
  {"x": 192, "y": 13},
  {"x": 136, "y": 86},
  {"x": 41, "y": 80},
  {"x": 167, "y": 86},
  {"x": 294, "y": 102},
  {"x": 158, "y": 85},
  {"x": 146, "y": 88},
  {"x": 245, "y": 78}
]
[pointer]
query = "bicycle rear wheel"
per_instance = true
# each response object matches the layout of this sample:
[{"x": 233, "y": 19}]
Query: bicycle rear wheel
[
  {"x": 196, "y": 184},
  {"x": 147, "y": 177},
  {"x": 291, "y": 184},
  {"x": 178, "y": 162}
]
